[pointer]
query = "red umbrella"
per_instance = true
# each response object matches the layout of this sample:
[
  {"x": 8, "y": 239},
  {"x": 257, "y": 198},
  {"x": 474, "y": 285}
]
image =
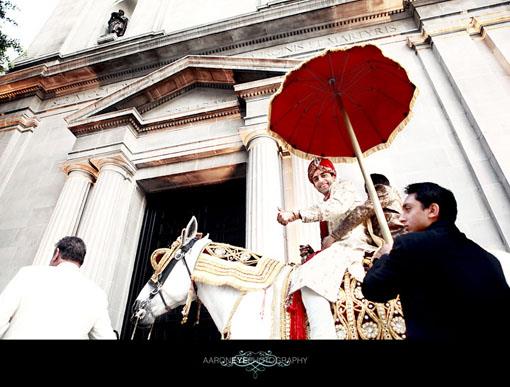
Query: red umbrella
[{"x": 343, "y": 104}]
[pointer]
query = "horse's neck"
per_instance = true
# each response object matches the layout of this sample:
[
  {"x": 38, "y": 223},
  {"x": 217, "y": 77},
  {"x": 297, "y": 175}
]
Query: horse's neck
[
  {"x": 219, "y": 301},
  {"x": 250, "y": 315}
]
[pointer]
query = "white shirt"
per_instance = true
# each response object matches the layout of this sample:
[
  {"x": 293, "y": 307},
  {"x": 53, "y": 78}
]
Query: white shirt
[{"x": 54, "y": 302}]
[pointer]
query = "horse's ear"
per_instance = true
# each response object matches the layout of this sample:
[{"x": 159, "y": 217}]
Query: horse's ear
[{"x": 191, "y": 230}]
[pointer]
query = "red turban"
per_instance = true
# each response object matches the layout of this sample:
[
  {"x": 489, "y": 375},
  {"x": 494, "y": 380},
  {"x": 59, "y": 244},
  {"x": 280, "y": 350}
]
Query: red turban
[{"x": 323, "y": 164}]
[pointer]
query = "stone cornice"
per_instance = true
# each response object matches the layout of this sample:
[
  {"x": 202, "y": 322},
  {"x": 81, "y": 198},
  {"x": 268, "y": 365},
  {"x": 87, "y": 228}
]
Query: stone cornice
[
  {"x": 138, "y": 124},
  {"x": 258, "y": 88},
  {"x": 139, "y": 55},
  {"x": 418, "y": 41},
  {"x": 23, "y": 120},
  {"x": 456, "y": 21},
  {"x": 477, "y": 23}
]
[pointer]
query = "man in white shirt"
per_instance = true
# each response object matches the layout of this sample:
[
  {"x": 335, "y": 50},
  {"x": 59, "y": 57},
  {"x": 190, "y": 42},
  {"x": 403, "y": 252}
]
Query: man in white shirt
[{"x": 55, "y": 301}]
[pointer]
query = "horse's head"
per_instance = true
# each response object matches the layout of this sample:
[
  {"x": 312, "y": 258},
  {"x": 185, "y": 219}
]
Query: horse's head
[{"x": 169, "y": 285}]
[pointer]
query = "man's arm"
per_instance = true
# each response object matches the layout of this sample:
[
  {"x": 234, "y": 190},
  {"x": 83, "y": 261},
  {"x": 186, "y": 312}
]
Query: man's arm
[
  {"x": 102, "y": 328},
  {"x": 285, "y": 217},
  {"x": 383, "y": 280},
  {"x": 360, "y": 214},
  {"x": 9, "y": 301},
  {"x": 357, "y": 216}
]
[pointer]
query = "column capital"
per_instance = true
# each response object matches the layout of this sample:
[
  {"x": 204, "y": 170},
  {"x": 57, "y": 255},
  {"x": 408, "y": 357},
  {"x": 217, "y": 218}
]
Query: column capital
[
  {"x": 248, "y": 134},
  {"x": 83, "y": 167},
  {"x": 119, "y": 162}
]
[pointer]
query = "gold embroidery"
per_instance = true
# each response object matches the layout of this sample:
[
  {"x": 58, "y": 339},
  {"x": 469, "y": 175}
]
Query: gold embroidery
[
  {"x": 221, "y": 264},
  {"x": 358, "y": 318},
  {"x": 284, "y": 314}
]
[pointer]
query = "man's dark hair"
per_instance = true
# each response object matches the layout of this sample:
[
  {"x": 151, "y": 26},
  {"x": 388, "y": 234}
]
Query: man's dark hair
[
  {"x": 428, "y": 193},
  {"x": 378, "y": 178},
  {"x": 72, "y": 248}
]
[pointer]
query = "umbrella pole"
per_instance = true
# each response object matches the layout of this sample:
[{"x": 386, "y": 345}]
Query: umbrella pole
[{"x": 368, "y": 181}]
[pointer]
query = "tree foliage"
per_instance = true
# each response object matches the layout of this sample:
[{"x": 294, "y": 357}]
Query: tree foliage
[{"x": 7, "y": 42}]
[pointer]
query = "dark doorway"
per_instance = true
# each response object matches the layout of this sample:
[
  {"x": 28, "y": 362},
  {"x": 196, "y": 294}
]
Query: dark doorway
[{"x": 220, "y": 211}]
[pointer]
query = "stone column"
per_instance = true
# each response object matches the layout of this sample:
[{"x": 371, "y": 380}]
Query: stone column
[
  {"x": 305, "y": 195},
  {"x": 104, "y": 220},
  {"x": 68, "y": 210},
  {"x": 264, "y": 194}
]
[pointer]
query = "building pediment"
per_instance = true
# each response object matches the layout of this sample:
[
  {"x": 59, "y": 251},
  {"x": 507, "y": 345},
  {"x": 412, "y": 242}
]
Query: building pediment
[{"x": 163, "y": 98}]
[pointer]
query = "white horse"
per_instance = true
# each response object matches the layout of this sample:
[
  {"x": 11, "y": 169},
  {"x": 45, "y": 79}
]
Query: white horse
[{"x": 237, "y": 314}]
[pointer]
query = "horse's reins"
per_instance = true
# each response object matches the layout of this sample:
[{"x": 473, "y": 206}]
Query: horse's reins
[
  {"x": 182, "y": 255},
  {"x": 158, "y": 279},
  {"x": 189, "y": 298}
]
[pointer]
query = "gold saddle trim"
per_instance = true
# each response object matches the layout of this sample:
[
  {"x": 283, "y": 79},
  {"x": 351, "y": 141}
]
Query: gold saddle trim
[{"x": 221, "y": 264}]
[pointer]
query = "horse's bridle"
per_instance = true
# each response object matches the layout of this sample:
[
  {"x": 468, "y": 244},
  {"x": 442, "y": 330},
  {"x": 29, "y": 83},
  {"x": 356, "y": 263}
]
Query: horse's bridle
[{"x": 157, "y": 281}]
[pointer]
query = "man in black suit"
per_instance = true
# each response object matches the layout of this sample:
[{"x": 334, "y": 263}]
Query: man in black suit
[{"x": 450, "y": 287}]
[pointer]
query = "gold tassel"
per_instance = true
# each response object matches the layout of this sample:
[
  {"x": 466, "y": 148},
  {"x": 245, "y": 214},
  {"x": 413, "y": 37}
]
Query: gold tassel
[
  {"x": 187, "y": 306},
  {"x": 199, "y": 304}
]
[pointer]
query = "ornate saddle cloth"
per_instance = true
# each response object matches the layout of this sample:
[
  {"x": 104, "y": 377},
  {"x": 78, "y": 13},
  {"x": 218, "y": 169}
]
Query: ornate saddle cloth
[
  {"x": 358, "y": 318},
  {"x": 222, "y": 264}
]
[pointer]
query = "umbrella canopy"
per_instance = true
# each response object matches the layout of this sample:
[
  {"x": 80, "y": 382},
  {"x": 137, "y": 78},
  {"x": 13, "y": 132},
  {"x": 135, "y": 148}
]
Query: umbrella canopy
[
  {"x": 376, "y": 93},
  {"x": 343, "y": 104}
]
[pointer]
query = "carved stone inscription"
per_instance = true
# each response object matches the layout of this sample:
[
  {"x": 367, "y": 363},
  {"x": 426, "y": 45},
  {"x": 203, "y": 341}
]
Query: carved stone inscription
[
  {"x": 334, "y": 40},
  {"x": 195, "y": 99},
  {"x": 85, "y": 96}
]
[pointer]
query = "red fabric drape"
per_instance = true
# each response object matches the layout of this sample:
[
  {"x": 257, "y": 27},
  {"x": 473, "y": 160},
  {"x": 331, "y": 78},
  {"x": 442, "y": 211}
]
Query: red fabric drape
[
  {"x": 297, "y": 313},
  {"x": 297, "y": 309}
]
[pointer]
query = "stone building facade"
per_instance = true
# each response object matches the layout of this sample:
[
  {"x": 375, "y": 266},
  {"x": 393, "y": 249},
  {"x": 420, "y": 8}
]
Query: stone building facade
[{"x": 92, "y": 124}]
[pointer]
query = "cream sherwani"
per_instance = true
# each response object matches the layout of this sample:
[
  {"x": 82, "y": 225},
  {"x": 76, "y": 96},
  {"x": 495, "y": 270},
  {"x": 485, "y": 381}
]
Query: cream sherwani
[
  {"x": 54, "y": 302},
  {"x": 324, "y": 273}
]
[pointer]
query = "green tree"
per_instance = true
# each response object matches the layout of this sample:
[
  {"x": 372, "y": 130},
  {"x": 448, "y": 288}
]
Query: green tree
[{"x": 5, "y": 41}]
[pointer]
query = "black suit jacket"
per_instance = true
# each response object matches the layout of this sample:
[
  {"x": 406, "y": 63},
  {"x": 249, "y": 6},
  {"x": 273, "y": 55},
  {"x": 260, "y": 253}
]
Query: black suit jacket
[{"x": 450, "y": 288}]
